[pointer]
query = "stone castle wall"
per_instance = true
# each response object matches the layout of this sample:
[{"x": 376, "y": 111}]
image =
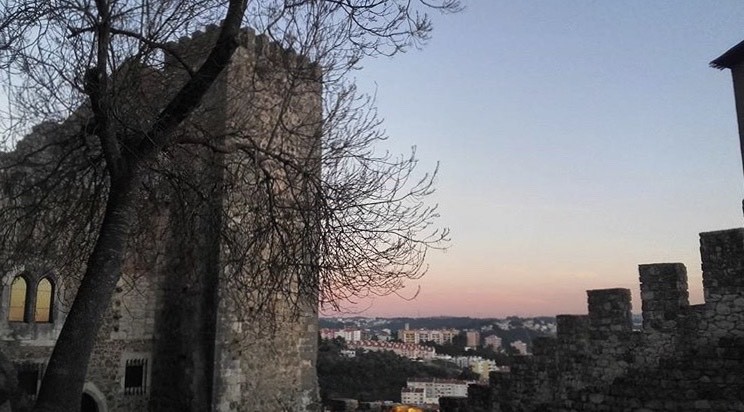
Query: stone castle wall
[
  {"x": 685, "y": 357},
  {"x": 176, "y": 306}
]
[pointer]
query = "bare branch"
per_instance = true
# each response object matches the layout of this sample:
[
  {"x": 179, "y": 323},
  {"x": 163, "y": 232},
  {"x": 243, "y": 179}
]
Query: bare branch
[{"x": 157, "y": 142}]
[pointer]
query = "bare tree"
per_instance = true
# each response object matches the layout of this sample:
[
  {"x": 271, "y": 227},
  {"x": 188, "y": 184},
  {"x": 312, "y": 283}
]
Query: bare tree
[{"x": 119, "y": 109}]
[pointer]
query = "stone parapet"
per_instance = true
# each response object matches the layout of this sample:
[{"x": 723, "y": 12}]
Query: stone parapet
[
  {"x": 609, "y": 310},
  {"x": 722, "y": 255},
  {"x": 186, "y": 52},
  {"x": 684, "y": 358},
  {"x": 664, "y": 295},
  {"x": 572, "y": 326}
]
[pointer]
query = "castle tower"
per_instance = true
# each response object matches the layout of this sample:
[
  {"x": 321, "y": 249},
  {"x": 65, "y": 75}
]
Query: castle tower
[
  {"x": 260, "y": 346},
  {"x": 191, "y": 326}
]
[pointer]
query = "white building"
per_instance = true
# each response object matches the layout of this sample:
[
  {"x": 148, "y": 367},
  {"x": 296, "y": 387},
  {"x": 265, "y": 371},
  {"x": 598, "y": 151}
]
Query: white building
[
  {"x": 477, "y": 364},
  {"x": 493, "y": 341},
  {"x": 433, "y": 389},
  {"x": 520, "y": 346},
  {"x": 412, "y": 396},
  {"x": 349, "y": 335},
  {"x": 484, "y": 367},
  {"x": 438, "y": 336},
  {"x": 472, "y": 338},
  {"x": 408, "y": 350}
]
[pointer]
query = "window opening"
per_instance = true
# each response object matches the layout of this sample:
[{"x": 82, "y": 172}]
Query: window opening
[
  {"x": 29, "y": 377},
  {"x": 17, "y": 309},
  {"x": 43, "y": 312},
  {"x": 135, "y": 376}
]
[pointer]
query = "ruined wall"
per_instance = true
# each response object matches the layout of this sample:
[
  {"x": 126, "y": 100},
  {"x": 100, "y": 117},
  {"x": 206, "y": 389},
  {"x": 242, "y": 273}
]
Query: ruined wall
[{"x": 683, "y": 358}]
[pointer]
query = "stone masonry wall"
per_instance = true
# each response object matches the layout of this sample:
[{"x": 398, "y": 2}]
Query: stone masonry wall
[
  {"x": 268, "y": 343},
  {"x": 177, "y": 306},
  {"x": 684, "y": 358},
  {"x": 263, "y": 354}
]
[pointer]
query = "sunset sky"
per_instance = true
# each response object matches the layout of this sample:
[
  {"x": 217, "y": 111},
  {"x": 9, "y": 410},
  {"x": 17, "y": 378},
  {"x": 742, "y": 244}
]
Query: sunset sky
[{"x": 576, "y": 140}]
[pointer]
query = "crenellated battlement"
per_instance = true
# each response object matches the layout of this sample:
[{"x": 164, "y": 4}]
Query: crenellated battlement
[
  {"x": 664, "y": 295},
  {"x": 722, "y": 254},
  {"x": 609, "y": 310},
  {"x": 684, "y": 357},
  {"x": 266, "y": 52}
]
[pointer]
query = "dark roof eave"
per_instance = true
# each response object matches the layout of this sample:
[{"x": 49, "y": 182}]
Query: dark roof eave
[{"x": 733, "y": 57}]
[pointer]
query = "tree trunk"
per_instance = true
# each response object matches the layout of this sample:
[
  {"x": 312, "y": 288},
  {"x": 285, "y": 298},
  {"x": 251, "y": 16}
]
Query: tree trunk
[{"x": 62, "y": 386}]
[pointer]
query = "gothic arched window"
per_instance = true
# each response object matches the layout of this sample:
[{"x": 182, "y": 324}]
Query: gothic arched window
[
  {"x": 17, "y": 309},
  {"x": 43, "y": 310}
]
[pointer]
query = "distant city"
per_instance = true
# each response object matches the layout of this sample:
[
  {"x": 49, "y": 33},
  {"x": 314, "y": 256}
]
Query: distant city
[
  {"x": 439, "y": 330},
  {"x": 452, "y": 352},
  {"x": 380, "y": 326},
  {"x": 470, "y": 347}
]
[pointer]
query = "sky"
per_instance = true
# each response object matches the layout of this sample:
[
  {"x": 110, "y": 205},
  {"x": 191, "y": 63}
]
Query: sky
[{"x": 576, "y": 140}]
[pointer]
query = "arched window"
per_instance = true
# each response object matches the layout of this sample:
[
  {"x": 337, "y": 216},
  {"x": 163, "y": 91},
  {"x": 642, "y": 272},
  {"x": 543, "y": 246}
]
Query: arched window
[
  {"x": 17, "y": 310},
  {"x": 43, "y": 312}
]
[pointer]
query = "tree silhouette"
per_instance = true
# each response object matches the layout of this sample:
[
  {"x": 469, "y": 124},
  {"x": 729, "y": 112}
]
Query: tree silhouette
[{"x": 120, "y": 109}]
